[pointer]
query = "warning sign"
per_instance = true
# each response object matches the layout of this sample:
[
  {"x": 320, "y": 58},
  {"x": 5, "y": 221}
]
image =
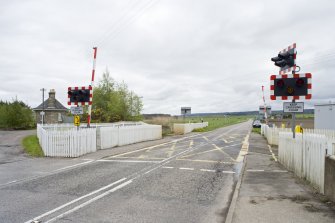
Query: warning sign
[{"x": 293, "y": 107}]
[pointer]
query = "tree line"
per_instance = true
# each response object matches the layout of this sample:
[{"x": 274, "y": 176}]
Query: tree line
[{"x": 16, "y": 115}]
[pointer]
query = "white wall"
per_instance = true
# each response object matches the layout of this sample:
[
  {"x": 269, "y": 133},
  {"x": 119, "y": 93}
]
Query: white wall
[
  {"x": 324, "y": 116},
  {"x": 188, "y": 127}
]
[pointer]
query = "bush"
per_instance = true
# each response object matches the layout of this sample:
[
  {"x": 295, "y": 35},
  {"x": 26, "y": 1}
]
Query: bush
[{"x": 16, "y": 115}]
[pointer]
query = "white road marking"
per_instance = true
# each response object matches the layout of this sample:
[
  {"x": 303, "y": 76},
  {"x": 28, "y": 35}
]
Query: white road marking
[
  {"x": 75, "y": 200},
  {"x": 167, "y": 167},
  {"x": 129, "y": 161},
  {"x": 227, "y": 171},
  {"x": 185, "y": 168},
  {"x": 78, "y": 164},
  {"x": 90, "y": 201},
  {"x": 268, "y": 171},
  {"x": 205, "y": 170},
  {"x": 205, "y": 138},
  {"x": 279, "y": 171},
  {"x": 250, "y": 170}
]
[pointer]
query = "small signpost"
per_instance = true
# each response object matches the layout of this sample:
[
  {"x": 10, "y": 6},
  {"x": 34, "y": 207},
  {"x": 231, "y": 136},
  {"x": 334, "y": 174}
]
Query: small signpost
[
  {"x": 293, "y": 107},
  {"x": 77, "y": 110},
  {"x": 77, "y": 120}
]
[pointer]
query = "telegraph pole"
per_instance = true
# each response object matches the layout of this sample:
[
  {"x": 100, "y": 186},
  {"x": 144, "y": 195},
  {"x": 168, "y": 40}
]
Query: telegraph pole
[{"x": 43, "y": 113}]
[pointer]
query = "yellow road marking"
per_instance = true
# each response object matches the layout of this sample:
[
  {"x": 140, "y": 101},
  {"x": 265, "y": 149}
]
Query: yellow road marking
[
  {"x": 171, "y": 150},
  {"x": 221, "y": 150},
  {"x": 273, "y": 155},
  {"x": 199, "y": 153},
  {"x": 244, "y": 149},
  {"x": 224, "y": 140}
]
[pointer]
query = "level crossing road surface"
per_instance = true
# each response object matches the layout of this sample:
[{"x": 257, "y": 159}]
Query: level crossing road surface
[{"x": 190, "y": 179}]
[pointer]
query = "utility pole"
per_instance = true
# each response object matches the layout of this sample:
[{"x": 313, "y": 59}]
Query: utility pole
[{"x": 43, "y": 113}]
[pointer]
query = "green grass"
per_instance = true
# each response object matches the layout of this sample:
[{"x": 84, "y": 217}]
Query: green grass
[
  {"x": 256, "y": 130},
  {"x": 219, "y": 122},
  {"x": 32, "y": 146}
]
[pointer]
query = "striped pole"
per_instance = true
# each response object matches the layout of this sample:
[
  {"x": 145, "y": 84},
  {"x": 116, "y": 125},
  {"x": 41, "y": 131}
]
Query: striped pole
[{"x": 92, "y": 83}]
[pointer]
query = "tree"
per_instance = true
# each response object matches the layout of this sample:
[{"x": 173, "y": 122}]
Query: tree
[
  {"x": 113, "y": 101},
  {"x": 16, "y": 115}
]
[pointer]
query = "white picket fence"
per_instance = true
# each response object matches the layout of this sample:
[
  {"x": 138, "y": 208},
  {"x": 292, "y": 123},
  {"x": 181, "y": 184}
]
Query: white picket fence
[
  {"x": 124, "y": 135},
  {"x": 272, "y": 133},
  {"x": 188, "y": 127},
  {"x": 67, "y": 142},
  {"x": 305, "y": 154}
]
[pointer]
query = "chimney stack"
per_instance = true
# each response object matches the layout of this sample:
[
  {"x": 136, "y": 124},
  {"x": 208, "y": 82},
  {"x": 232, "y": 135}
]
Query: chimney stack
[{"x": 52, "y": 99}]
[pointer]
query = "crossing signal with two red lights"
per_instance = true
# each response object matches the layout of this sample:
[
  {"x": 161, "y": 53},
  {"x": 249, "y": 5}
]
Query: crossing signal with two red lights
[
  {"x": 79, "y": 96},
  {"x": 291, "y": 86}
]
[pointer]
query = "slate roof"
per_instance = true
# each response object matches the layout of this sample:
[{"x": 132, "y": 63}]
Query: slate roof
[{"x": 58, "y": 105}]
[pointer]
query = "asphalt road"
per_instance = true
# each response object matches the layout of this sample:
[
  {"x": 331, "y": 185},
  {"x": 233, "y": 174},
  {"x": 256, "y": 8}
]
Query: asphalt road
[{"x": 189, "y": 179}]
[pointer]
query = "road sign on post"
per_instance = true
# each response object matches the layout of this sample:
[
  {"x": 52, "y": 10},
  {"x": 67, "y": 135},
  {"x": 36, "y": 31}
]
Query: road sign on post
[
  {"x": 293, "y": 107},
  {"x": 76, "y": 120},
  {"x": 77, "y": 110}
]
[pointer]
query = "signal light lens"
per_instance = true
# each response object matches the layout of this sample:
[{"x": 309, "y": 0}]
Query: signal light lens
[
  {"x": 300, "y": 82},
  {"x": 280, "y": 83},
  {"x": 290, "y": 90}
]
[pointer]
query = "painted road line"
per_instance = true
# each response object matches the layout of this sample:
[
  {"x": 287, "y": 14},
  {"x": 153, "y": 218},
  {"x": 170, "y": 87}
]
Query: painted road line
[
  {"x": 191, "y": 143},
  {"x": 171, "y": 150},
  {"x": 129, "y": 161},
  {"x": 158, "y": 145},
  {"x": 205, "y": 170},
  {"x": 75, "y": 200},
  {"x": 224, "y": 140},
  {"x": 205, "y": 161},
  {"x": 244, "y": 149},
  {"x": 227, "y": 171},
  {"x": 273, "y": 155},
  {"x": 250, "y": 170},
  {"x": 167, "y": 167},
  {"x": 205, "y": 138},
  {"x": 186, "y": 168},
  {"x": 280, "y": 171},
  {"x": 78, "y": 164},
  {"x": 221, "y": 150},
  {"x": 90, "y": 201}
]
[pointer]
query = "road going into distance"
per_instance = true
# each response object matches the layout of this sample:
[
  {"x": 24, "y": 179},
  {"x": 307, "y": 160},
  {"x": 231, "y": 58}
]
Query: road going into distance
[{"x": 188, "y": 179}]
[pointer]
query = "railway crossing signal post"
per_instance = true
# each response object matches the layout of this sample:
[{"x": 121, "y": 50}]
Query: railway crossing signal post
[{"x": 290, "y": 86}]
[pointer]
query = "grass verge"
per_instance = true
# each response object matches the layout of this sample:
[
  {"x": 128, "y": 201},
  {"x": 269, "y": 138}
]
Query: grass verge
[
  {"x": 256, "y": 130},
  {"x": 32, "y": 146}
]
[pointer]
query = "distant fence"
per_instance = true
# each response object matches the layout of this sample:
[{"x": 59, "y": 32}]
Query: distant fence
[
  {"x": 119, "y": 136},
  {"x": 305, "y": 154},
  {"x": 188, "y": 127},
  {"x": 65, "y": 140}
]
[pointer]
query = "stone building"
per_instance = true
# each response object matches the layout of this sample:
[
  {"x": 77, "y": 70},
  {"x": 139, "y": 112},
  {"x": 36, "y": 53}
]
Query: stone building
[{"x": 55, "y": 112}]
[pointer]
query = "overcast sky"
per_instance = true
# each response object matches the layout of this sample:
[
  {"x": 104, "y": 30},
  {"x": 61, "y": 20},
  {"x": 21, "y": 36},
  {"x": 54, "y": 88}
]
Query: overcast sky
[{"x": 211, "y": 55}]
